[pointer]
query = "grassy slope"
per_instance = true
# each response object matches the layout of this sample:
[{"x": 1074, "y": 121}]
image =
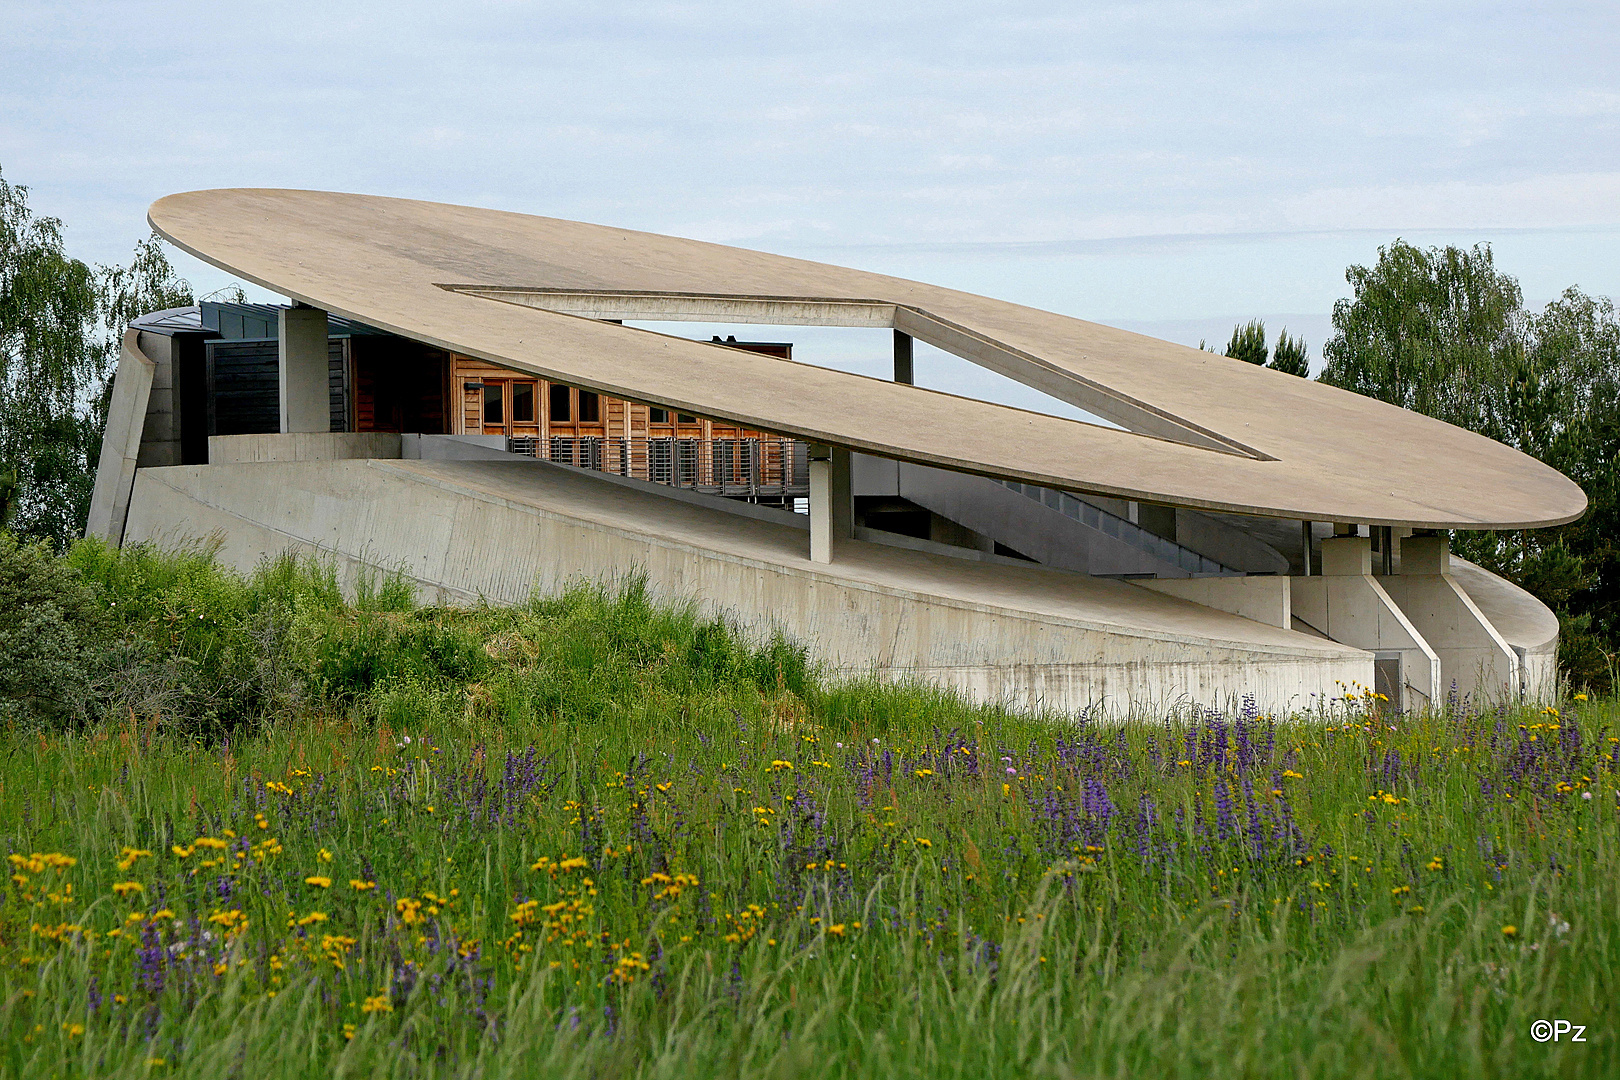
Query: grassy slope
[{"x": 608, "y": 838}]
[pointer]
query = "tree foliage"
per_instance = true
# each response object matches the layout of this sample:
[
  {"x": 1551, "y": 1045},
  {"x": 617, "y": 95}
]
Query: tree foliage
[
  {"x": 1443, "y": 332},
  {"x": 60, "y": 325},
  {"x": 1248, "y": 344}
]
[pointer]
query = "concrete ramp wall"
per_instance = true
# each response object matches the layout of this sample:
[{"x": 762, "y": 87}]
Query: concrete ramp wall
[{"x": 1021, "y": 635}]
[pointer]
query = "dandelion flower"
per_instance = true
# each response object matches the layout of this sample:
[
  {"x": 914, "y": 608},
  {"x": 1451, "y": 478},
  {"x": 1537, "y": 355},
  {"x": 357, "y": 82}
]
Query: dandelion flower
[
  {"x": 128, "y": 888},
  {"x": 318, "y": 881},
  {"x": 1510, "y": 931}
]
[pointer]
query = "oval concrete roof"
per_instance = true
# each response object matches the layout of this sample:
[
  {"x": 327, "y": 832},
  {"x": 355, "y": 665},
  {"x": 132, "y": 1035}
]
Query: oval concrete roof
[{"x": 530, "y": 293}]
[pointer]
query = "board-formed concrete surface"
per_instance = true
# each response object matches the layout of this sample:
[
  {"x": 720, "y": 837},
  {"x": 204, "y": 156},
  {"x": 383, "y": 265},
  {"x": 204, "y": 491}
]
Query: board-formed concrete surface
[
  {"x": 530, "y": 293},
  {"x": 1025, "y": 636}
]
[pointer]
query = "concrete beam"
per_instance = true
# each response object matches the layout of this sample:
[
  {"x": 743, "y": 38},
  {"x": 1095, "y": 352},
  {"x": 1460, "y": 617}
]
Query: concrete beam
[
  {"x": 1473, "y": 655},
  {"x": 305, "y": 396},
  {"x": 1346, "y": 603},
  {"x": 832, "y": 510}
]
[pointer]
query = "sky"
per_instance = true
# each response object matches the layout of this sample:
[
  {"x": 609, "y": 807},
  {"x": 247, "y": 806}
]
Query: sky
[{"x": 1172, "y": 168}]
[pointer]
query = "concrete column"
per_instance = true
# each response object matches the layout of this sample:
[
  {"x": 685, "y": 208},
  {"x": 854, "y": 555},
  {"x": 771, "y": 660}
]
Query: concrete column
[
  {"x": 1350, "y": 606},
  {"x": 305, "y": 398},
  {"x": 902, "y": 358},
  {"x": 1473, "y": 654},
  {"x": 1305, "y": 546},
  {"x": 832, "y": 510}
]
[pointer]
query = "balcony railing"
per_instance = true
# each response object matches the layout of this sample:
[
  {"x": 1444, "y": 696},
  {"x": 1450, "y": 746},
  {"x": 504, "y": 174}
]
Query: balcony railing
[{"x": 769, "y": 469}]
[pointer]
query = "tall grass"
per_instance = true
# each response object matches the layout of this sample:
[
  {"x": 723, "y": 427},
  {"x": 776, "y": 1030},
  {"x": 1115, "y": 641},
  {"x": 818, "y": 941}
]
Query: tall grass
[{"x": 597, "y": 836}]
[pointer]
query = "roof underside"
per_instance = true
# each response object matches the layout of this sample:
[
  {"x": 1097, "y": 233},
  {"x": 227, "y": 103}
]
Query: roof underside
[{"x": 530, "y": 293}]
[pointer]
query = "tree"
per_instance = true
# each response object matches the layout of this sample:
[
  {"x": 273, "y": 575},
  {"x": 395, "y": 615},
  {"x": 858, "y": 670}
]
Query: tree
[
  {"x": 1424, "y": 330},
  {"x": 1291, "y": 355},
  {"x": 60, "y": 325},
  {"x": 53, "y": 361},
  {"x": 1443, "y": 332},
  {"x": 1248, "y": 343}
]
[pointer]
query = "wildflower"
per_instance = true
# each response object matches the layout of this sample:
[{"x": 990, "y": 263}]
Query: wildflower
[
  {"x": 324, "y": 856},
  {"x": 130, "y": 855},
  {"x": 210, "y": 842},
  {"x": 924, "y": 772},
  {"x": 1580, "y": 697},
  {"x": 348, "y": 1032},
  {"x": 276, "y": 786},
  {"x": 1510, "y": 931},
  {"x": 319, "y": 882},
  {"x": 183, "y": 852},
  {"x": 923, "y": 841},
  {"x": 378, "y": 1003},
  {"x": 126, "y": 889},
  {"x": 780, "y": 766},
  {"x": 1436, "y": 863},
  {"x": 409, "y": 910},
  {"x": 361, "y": 886},
  {"x": 836, "y": 928},
  {"x": 312, "y": 918},
  {"x": 73, "y": 1030},
  {"x": 162, "y": 913}
]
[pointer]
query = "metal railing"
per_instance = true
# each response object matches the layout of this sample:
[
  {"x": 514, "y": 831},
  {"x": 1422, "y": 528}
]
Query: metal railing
[
  {"x": 769, "y": 469},
  {"x": 1120, "y": 529}
]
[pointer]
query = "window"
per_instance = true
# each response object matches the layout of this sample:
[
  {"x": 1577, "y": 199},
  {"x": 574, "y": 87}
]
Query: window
[
  {"x": 589, "y": 407},
  {"x": 493, "y": 412},
  {"x": 685, "y": 419},
  {"x": 562, "y": 410},
  {"x": 657, "y": 416},
  {"x": 523, "y": 403}
]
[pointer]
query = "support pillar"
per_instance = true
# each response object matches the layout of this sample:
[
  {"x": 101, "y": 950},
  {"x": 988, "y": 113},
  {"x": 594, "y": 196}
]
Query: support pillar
[
  {"x": 832, "y": 510},
  {"x": 1349, "y": 605},
  {"x": 1305, "y": 546},
  {"x": 903, "y": 372},
  {"x": 305, "y": 397}
]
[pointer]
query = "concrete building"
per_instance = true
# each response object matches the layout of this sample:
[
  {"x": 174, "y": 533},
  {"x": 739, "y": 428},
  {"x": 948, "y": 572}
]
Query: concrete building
[{"x": 452, "y": 393}]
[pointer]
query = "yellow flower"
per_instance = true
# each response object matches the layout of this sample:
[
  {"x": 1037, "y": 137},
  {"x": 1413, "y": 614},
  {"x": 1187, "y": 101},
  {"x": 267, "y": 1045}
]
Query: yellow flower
[
  {"x": 377, "y": 1004},
  {"x": 924, "y": 772},
  {"x": 319, "y": 882},
  {"x": 1580, "y": 697},
  {"x": 130, "y": 855},
  {"x": 1510, "y": 931},
  {"x": 362, "y": 886},
  {"x": 779, "y": 766},
  {"x": 73, "y": 1030},
  {"x": 127, "y": 889},
  {"x": 312, "y": 918},
  {"x": 836, "y": 928},
  {"x": 923, "y": 841},
  {"x": 324, "y": 856},
  {"x": 183, "y": 852}
]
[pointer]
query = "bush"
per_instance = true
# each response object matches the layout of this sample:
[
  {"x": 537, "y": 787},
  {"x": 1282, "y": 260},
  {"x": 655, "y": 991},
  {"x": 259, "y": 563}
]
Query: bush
[{"x": 53, "y": 641}]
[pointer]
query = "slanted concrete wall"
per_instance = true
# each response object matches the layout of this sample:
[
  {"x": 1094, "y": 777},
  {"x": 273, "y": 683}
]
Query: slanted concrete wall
[
  {"x": 1473, "y": 655},
  {"x": 121, "y": 442},
  {"x": 1022, "y": 635},
  {"x": 1349, "y": 605}
]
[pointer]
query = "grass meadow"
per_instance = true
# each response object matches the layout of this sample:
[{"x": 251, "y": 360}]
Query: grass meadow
[{"x": 277, "y": 834}]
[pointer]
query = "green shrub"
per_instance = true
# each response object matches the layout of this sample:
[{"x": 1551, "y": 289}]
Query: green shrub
[{"x": 53, "y": 639}]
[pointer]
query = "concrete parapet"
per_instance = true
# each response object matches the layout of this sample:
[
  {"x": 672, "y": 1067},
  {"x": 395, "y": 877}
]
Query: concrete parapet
[
  {"x": 1263, "y": 598},
  {"x": 303, "y": 446}
]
